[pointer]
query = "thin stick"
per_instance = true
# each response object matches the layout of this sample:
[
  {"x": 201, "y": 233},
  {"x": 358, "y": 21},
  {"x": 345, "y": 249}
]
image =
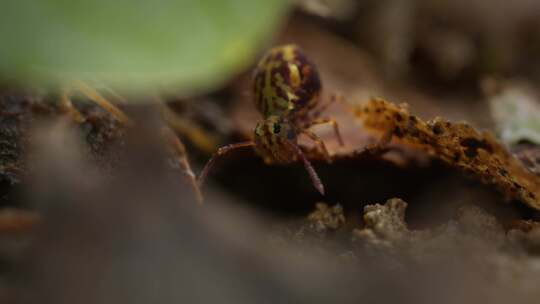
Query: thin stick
[
  {"x": 311, "y": 171},
  {"x": 180, "y": 150},
  {"x": 318, "y": 110},
  {"x": 67, "y": 105},
  {"x": 102, "y": 102},
  {"x": 119, "y": 98},
  {"x": 178, "y": 146},
  {"x": 220, "y": 152}
]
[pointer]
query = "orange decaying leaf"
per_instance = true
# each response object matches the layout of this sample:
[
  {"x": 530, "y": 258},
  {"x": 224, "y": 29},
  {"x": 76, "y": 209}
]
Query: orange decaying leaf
[{"x": 457, "y": 144}]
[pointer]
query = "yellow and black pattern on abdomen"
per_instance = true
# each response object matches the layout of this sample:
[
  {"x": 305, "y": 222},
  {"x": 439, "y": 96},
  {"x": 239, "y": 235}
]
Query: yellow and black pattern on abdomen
[{"x": 285, "y": 82}]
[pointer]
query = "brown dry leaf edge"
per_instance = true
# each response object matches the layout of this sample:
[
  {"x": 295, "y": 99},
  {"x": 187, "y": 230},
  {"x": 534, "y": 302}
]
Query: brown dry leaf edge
[{"x": 457, "y": 144}]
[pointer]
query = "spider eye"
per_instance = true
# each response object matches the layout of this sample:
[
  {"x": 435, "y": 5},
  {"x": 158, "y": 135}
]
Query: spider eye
[{"x": 277, "y": 128}]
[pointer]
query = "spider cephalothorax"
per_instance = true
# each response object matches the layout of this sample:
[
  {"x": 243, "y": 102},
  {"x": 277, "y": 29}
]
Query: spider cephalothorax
[{"x": 273, "y": 139}]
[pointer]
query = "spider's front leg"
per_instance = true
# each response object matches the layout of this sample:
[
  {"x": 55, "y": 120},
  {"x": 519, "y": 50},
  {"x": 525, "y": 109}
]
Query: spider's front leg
[
  {"x": 322, "y": 108},
  {"x": 221, "y": 152}
]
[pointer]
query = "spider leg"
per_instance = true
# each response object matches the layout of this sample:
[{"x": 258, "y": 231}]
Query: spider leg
[
  {"x": 93, "y": 95},
  {"x": 335, "y": 97},
  {"x": 331, "y": 121},
  {"x": 180, "y": 150},
  {"x": 319, "y": 142},
  {"x": 318, "y": 110},
  {"x": 311, "y": 171},
  {"x": 220, "y": 152}
]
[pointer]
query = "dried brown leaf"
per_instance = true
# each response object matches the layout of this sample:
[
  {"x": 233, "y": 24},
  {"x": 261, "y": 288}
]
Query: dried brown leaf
[{"x": 457, "y": 144}]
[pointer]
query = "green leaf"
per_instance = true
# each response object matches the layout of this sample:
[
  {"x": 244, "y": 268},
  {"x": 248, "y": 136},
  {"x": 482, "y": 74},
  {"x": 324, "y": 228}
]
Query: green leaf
[{"x": 133, "y": 45}]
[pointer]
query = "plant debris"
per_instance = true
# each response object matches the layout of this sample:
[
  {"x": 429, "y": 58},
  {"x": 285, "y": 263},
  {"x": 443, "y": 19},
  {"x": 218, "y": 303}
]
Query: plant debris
[
  {"x": 457, "y": 144},
  {"x": 385, "y": 227},
  {"x": 473, "y": 229},
  {"x": 326, "y": 217},
  {"x": 385, "y": 224}
]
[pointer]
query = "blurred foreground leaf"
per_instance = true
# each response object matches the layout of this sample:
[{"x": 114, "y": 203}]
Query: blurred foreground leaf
[{"x": 186, "y": 45}]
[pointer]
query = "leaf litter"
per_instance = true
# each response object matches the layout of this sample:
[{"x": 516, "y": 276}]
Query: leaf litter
[{"x": 458, "y": 144}]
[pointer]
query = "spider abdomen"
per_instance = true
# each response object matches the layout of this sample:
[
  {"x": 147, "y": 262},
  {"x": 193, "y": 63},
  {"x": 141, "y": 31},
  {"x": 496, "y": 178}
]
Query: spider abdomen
[{"x": 286, "y": 83}]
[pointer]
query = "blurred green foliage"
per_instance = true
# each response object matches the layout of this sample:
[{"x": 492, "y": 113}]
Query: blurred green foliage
[{"x": 133, "y": 45}]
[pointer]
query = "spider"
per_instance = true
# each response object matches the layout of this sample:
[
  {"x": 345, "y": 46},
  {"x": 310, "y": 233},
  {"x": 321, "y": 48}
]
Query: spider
[{"x": 287, "y": 89}]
